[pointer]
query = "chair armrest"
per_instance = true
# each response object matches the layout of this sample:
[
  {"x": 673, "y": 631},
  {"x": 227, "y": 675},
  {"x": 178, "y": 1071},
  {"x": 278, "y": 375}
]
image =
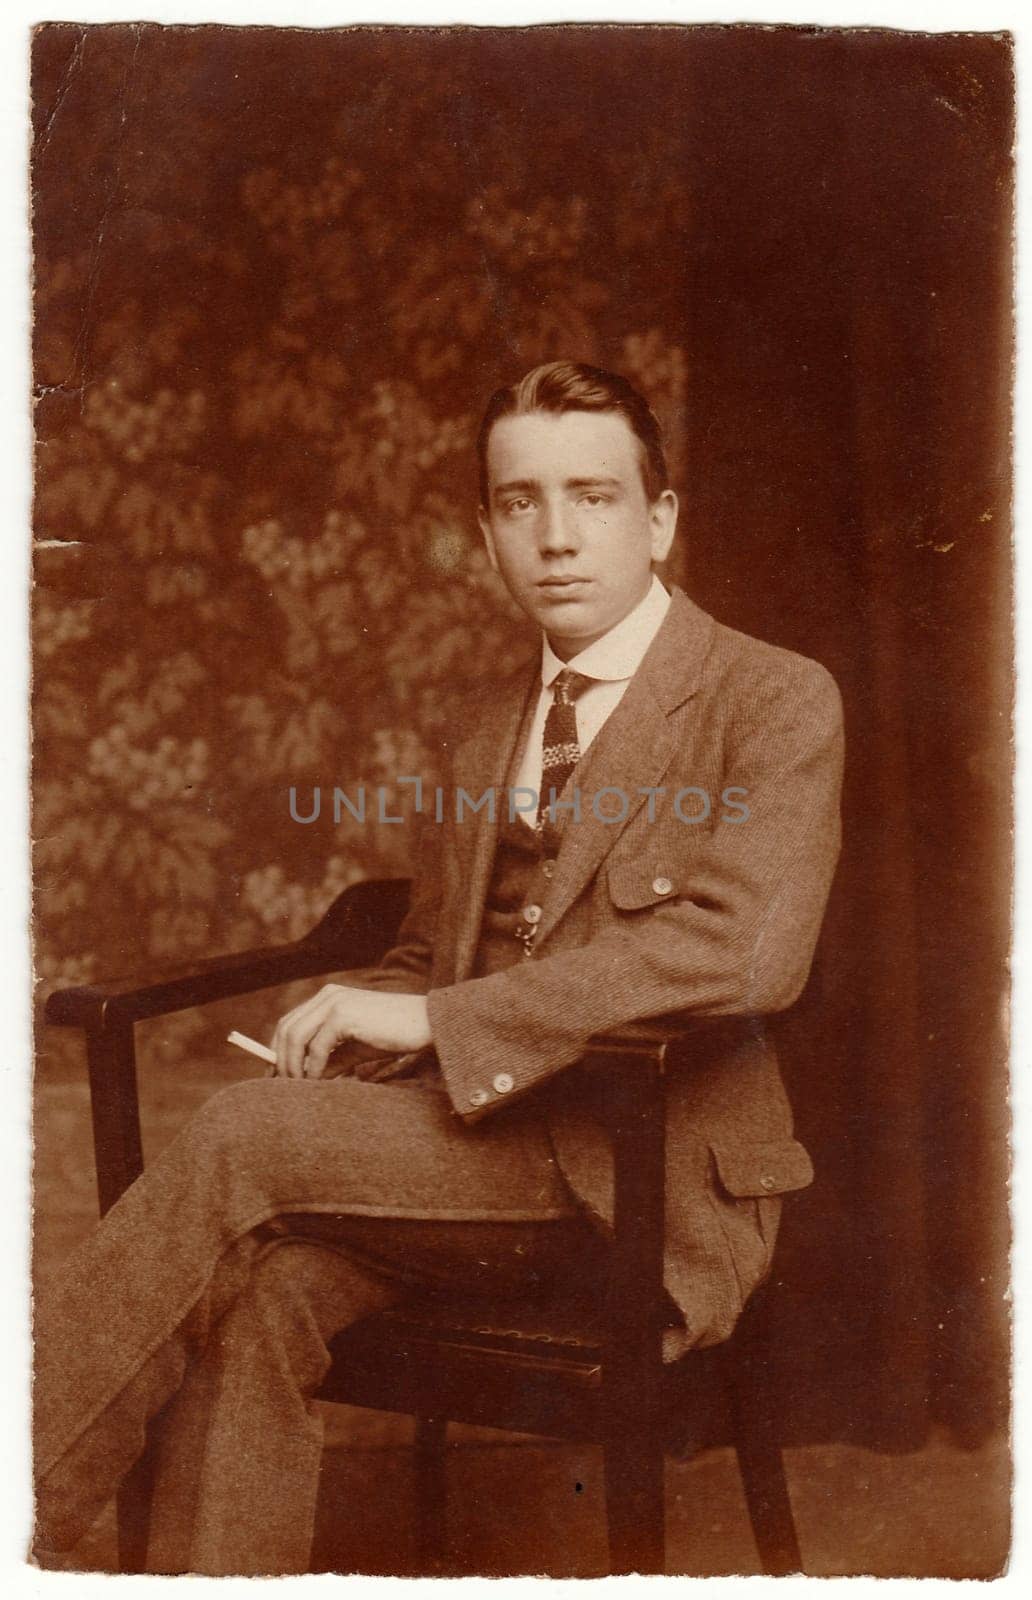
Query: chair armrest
[
  {"x": 621, "y": 1073},
  {"x": 135, "y": 998},
  {"x": 356, "y": 931},
  {"x": 638, "y": 1041}
]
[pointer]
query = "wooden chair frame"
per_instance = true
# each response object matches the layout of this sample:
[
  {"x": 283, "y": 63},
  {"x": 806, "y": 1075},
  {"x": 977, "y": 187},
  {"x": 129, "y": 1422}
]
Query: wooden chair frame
[{"x": 608, "y": 1385}]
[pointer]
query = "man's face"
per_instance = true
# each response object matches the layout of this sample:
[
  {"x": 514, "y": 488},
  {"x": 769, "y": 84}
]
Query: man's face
[{"x": 568, "y": 523}]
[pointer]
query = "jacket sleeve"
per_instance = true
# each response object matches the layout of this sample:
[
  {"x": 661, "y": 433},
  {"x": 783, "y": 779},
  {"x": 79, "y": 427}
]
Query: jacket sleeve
[{"x": 736, "y": 937}]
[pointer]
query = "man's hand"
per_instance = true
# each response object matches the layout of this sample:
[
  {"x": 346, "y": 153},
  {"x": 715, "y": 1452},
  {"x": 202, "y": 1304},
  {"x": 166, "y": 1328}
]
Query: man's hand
[{"x": 304, "y": 1037}]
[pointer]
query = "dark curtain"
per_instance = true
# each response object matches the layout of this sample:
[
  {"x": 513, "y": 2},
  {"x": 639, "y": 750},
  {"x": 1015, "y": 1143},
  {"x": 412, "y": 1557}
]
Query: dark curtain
[
  {"x": 848, "y": 313},
  {"x": 839, "y": 278}
]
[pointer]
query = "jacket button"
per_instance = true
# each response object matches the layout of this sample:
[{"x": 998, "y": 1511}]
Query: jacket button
[
  {"x": 503, "y": 1083},
  {"x": 478, "y": 1097},
  {"x": 548, "y": 867},
  {"x": 531, "y": 914},
  {"x": 662, "y": 886},
  {"x": 767, "y": 1182}
]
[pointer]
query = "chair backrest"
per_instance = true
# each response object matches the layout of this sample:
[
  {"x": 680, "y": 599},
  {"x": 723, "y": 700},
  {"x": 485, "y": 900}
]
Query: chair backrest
[{"x": 370, "y": 911}]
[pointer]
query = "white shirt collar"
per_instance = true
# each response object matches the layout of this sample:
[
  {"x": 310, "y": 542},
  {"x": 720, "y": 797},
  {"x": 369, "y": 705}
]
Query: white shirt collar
[{"x": 618, "y": 654}]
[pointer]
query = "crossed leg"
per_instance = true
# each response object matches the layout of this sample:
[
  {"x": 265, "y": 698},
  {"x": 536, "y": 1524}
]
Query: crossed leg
[{"x": 196, "y": 1298}]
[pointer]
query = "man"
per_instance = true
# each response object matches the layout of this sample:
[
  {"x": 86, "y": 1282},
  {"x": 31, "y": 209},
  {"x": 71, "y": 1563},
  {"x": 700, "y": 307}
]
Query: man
[{"x": 674, "y": 856}]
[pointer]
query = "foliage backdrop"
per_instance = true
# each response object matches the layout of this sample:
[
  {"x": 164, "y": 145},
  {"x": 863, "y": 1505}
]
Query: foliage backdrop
[{"x": 275, "y": 280}]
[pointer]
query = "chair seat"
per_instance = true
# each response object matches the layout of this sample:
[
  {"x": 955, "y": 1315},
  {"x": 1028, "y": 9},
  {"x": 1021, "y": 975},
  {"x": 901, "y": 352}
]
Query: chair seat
[
  {"x": 547, "y": 1330},
  {"x": 529, "y": 1368},
  {"x": 502, "y": 1364}
]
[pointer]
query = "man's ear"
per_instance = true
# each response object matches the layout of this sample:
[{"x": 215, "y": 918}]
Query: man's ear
[
  {"x": 484, "y": 522},
  {"x": 663, "y": 524}
]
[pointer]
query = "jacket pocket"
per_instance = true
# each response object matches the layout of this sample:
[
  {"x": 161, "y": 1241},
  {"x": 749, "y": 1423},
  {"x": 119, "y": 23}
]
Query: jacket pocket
[
  {"x": 634, "y": 885},
  {"x": 747, "y": 1183},
  {"x": 770, "y": 1168}
]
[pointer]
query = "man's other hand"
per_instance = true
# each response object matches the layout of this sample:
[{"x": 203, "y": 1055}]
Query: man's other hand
[{"x": 305, "y": 1036}]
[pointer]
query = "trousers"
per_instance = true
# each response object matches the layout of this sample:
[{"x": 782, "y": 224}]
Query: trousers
[{"x": 203, "y": 1302}]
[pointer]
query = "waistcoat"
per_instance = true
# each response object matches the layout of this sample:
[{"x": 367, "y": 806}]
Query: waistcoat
[
  {"x": 515, "y": 895},
  {"x": 520, "y": 879}
]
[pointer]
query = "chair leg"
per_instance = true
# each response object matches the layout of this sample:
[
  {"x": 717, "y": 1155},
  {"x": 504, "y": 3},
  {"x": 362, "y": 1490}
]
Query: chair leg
[
  {"x": 133, "y": 1505},
  {"x": 635, "y": 1514},
  {"x": 770, "y": 1509},
  {"x": 430, "y": 1493},
  {"x": 762, "y": 1466}
]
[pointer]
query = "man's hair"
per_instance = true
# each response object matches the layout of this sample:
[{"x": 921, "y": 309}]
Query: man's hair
[{"x": 560, "y": 386}]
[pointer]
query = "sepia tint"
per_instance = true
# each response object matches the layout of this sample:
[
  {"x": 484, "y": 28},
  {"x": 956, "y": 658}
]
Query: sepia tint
[{"x": 278, "y": 273}]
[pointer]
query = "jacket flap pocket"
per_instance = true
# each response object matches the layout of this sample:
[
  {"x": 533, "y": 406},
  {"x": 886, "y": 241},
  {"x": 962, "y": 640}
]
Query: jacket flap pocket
[
  {"x": 758, "y": 1169},
  {"x": 636, "y": 884}
]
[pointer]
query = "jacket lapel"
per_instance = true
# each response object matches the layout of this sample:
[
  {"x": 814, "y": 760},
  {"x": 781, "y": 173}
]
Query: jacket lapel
[
  {"x": 632, "y": 751},
  {"x": 481, "y": 762}
]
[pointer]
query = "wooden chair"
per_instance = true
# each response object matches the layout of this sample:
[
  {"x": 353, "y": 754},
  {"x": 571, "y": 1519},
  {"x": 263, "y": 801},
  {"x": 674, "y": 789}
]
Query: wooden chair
[{"x": 538, "y": 1369}]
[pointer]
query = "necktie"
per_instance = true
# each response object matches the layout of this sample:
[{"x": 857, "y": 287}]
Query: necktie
[{"x": 560, "y": 751}]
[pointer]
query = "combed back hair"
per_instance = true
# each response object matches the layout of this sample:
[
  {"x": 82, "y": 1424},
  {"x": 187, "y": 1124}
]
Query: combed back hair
[{"x": 560, "y": 386}]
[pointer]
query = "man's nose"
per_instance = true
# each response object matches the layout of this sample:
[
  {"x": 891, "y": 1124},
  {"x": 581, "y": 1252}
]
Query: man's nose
[{"x": 557, "y": 533}]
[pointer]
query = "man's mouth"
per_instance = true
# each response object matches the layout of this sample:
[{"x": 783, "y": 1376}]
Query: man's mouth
[{"x": 562, "y": 582}]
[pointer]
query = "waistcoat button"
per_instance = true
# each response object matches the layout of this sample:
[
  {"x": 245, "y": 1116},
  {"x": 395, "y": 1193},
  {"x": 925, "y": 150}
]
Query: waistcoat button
[
  {"x": 531, "y": 914},
  {"x": 662, "y": 886}
]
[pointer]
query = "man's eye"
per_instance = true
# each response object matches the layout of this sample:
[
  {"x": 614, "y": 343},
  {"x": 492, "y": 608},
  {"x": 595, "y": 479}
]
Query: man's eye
[
  {"x": 518, "y": 505},
  {"x": 593, "y": 499}
]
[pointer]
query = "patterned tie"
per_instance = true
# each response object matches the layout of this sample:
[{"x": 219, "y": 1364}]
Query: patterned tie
[{"x": 560, "y": 751}]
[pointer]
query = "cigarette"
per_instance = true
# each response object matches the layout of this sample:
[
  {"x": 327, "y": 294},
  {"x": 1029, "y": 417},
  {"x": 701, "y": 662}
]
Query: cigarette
[{"x": 262, "y": 1051}]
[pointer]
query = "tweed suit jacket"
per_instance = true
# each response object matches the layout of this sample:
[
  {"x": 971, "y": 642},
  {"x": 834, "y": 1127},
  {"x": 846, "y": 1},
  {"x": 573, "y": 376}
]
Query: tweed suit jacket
[{"x": 648, "y": 915}]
